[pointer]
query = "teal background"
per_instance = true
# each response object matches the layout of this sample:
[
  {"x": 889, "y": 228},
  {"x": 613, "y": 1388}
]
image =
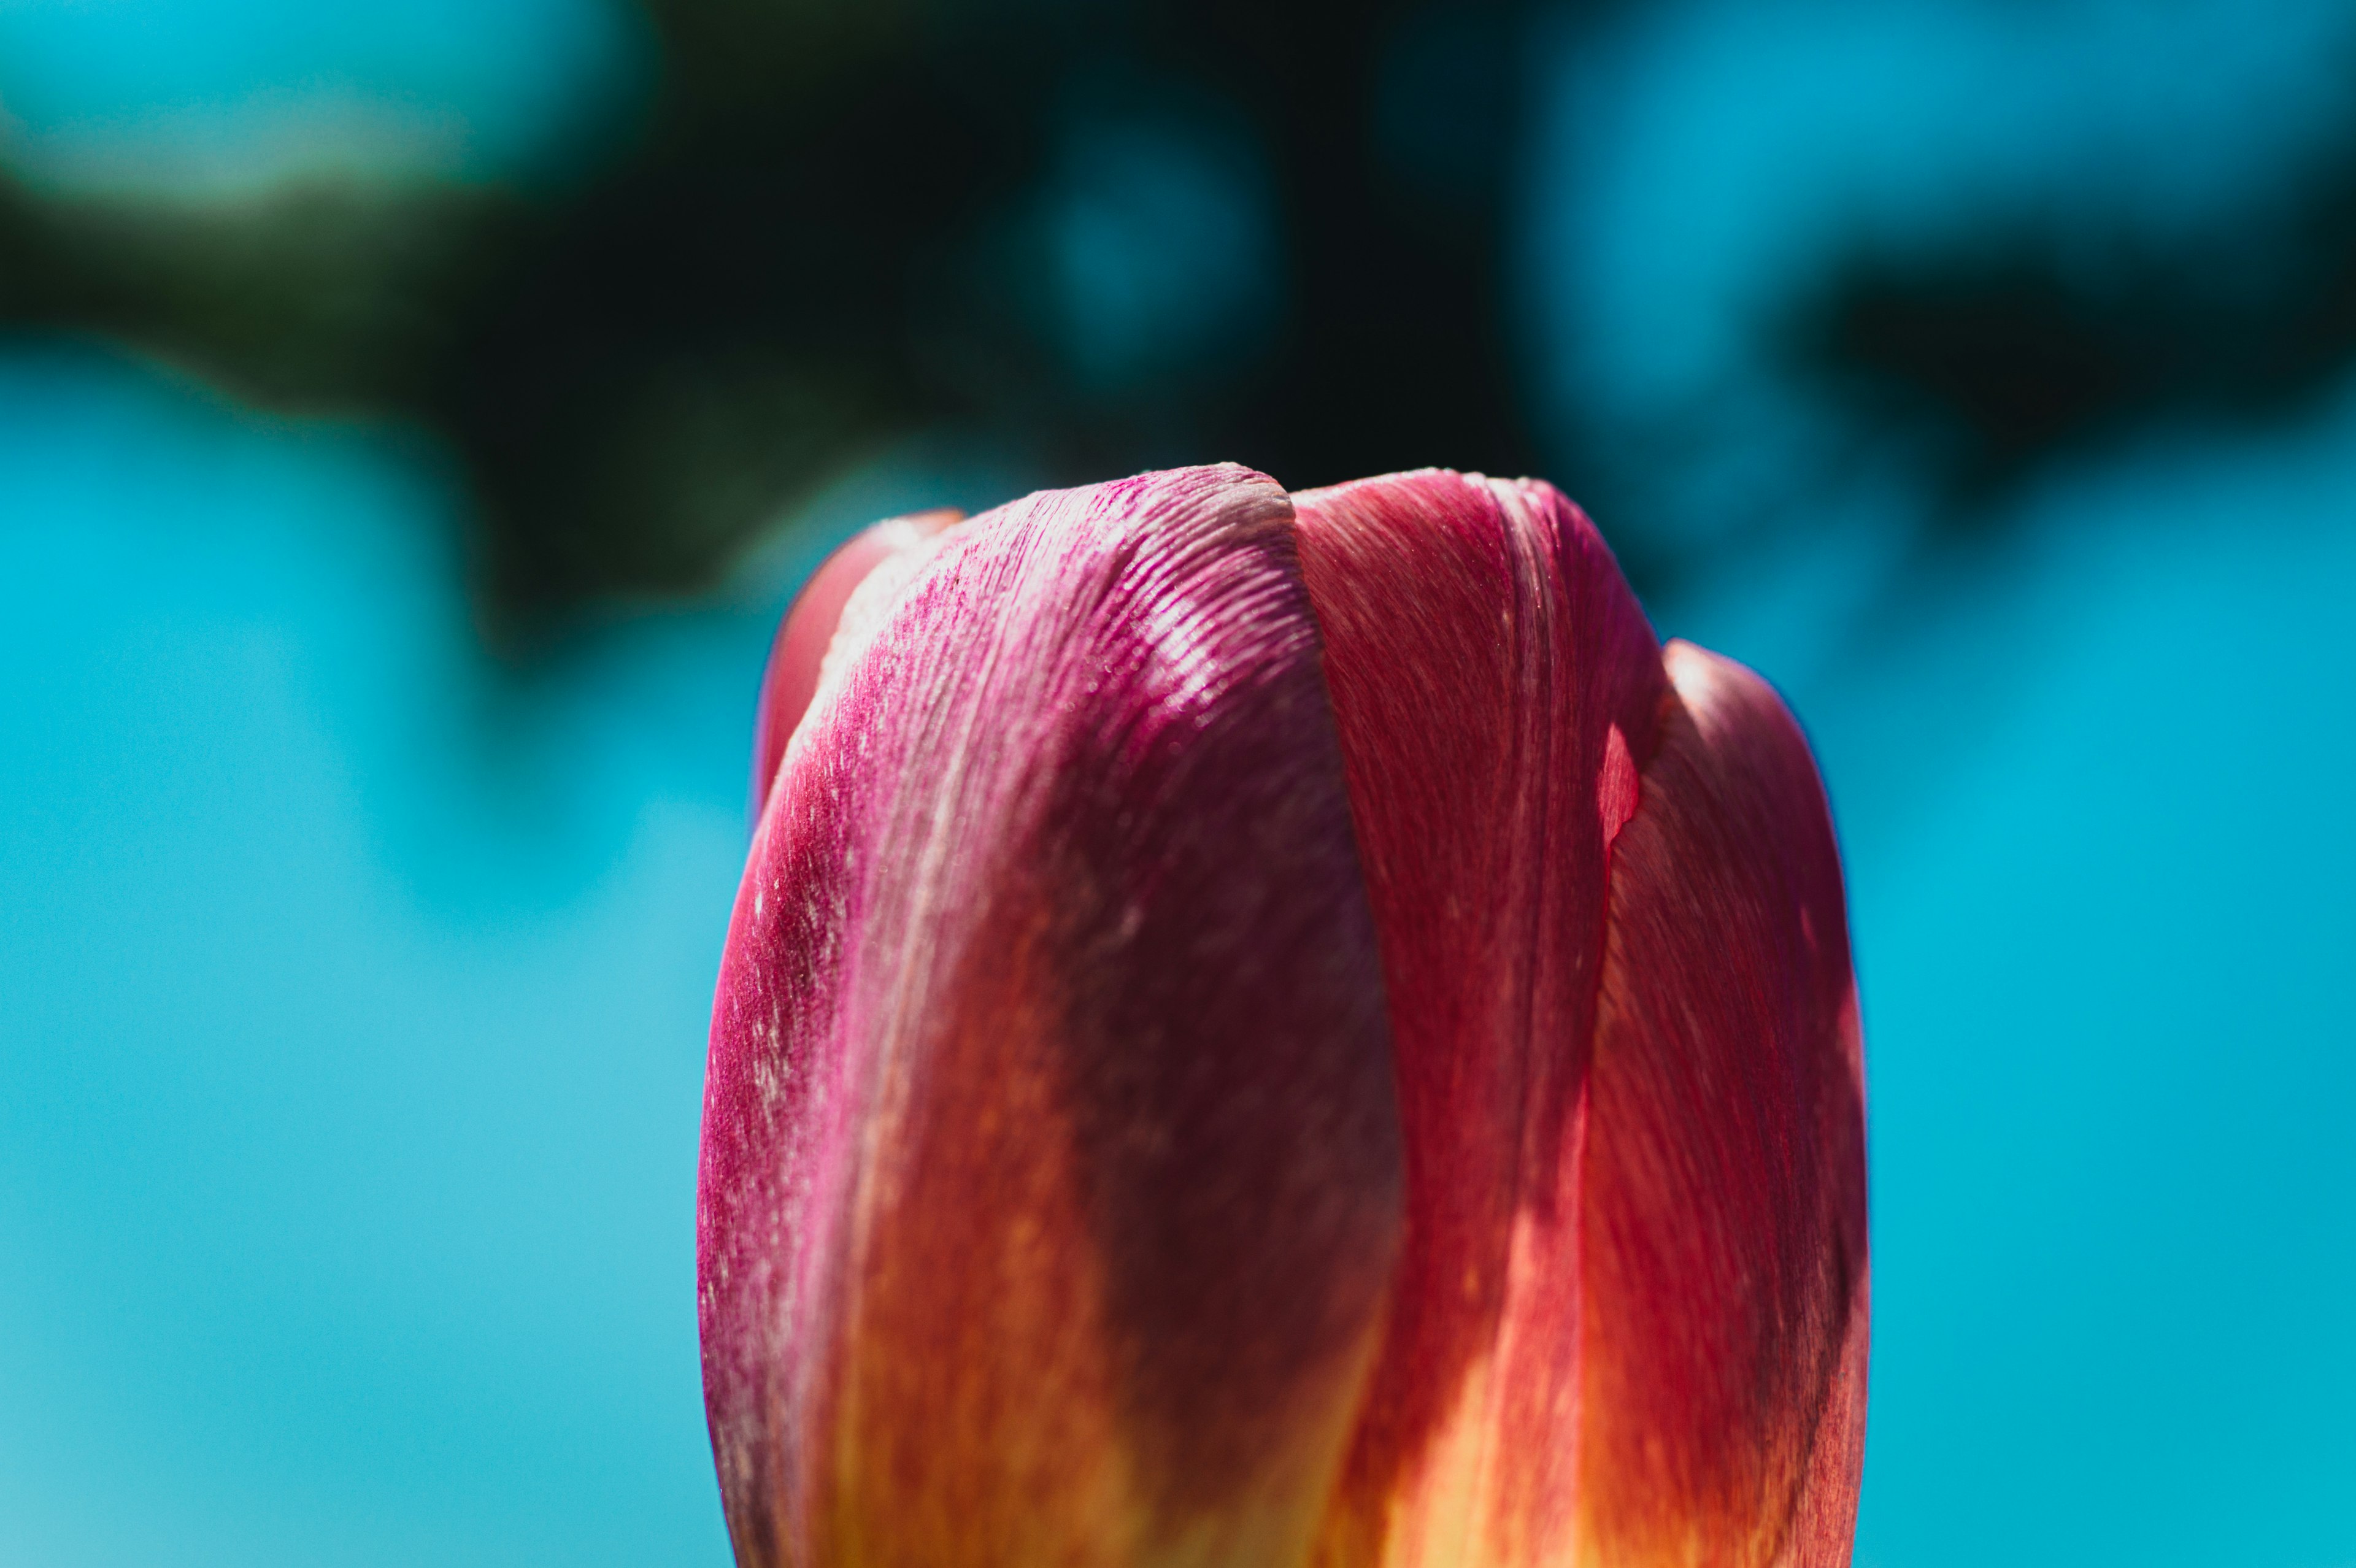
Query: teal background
[{"x": 353, "y": 980}]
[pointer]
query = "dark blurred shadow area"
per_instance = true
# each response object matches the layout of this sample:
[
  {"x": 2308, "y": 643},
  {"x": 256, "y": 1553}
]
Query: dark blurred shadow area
[
  {"x": 1100, "y": 237},
  {"x": 415, "y": 415},
  {"x": 1789, "y": 263},
  {"x": 2035, "y": 345}
]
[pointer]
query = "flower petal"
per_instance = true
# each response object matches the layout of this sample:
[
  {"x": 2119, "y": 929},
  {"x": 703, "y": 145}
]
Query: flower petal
[
  {"x": 799, "y": 653},
  {"x": 1492, "y": 676},
  {"x": 1051, "y": 1172},
  {"x": 1629, "y": 1322},
  {"x": 1724, "y": 1272}
]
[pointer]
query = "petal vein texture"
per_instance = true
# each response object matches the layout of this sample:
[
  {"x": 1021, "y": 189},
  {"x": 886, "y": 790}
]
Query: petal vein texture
[
  {"x": 1051, "y": 1176},
  {"x": 1628, "y": 1325},
  {"x": 1268, "y": 1030}
]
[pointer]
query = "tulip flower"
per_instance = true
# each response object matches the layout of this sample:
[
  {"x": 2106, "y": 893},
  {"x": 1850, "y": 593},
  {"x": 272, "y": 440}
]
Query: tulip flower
[{"x": 1279, "y": 1029}]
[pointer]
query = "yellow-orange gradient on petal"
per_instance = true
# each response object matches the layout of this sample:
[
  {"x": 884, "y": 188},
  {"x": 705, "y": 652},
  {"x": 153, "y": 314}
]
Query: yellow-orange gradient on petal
[
  {"x": 1265, "y": 1031},
  {"x": 1629, "y": 1324},
  {"x": 1489, "y": 667},
  {"x": 1723, "y": 1265},
  {"x": 1050, "y": 1180}
]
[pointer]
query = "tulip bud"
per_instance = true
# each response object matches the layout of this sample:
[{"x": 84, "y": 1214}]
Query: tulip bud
[{"x": 1268, "y": 1030}]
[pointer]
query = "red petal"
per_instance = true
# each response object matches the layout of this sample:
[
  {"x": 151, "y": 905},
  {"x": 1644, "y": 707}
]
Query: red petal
[
  {"x": 799, "y": 653},
  {"x": 1491, "y": 675},
  {"x": 1050, "y": 1179},
  {"x": 1722, "y": 1396},
  {"x": 1630, "y": 1321}
]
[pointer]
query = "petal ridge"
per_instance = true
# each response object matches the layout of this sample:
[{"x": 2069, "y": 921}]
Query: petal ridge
[
  {"x": 1482, "y": 651},
  {"x": 1051, "y": 1168},
  {"x": 1725, "y": 1266}
]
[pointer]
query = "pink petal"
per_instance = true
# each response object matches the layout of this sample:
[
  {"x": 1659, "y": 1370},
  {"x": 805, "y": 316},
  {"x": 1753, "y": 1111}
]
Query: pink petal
[
  {"x": 1722, "y": 1396},
  {"x": 1492, "y": 676},
  {"x": 807, "y": 631},
  {"x": 1050, "y": 1180}
]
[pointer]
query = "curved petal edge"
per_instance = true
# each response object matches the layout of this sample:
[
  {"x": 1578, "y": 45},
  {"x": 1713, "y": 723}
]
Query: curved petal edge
[
  {"x": 1724, "y": 1269},
  {"x": 1051, "y": 1174}
]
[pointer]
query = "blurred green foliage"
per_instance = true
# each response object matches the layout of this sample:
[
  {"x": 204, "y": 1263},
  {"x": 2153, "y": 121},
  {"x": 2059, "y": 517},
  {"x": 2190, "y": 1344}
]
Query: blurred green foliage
[{"x": 1096, "y": 238}]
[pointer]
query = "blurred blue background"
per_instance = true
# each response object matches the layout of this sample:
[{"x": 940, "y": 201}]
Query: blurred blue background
[{"x": 356, "y": 946}]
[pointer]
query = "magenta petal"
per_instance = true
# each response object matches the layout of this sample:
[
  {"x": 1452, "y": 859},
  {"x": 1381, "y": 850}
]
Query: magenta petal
[
  {"x": 808, "y": 630},
  {"x": 1050, "y": 1183}
]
